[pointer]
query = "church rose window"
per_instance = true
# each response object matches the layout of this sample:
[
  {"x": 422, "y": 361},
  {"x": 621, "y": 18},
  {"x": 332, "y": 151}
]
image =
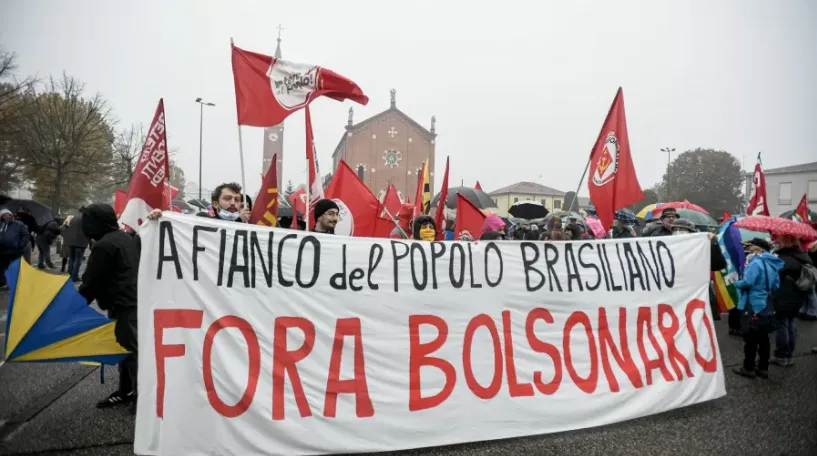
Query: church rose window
[{"x": 392, "y": 158}]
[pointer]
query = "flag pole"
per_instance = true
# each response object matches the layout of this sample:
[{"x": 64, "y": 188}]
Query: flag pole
[
  {"x": 240, "y": 152},
  {"x": 391, "y": 217},
  {"x": 578, "y": 187},
  {"x": 308, "y": 201}
]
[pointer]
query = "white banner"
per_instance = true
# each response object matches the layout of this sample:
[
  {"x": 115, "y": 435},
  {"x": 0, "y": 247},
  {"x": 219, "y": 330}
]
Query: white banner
[{"x": 271, "y": 341}]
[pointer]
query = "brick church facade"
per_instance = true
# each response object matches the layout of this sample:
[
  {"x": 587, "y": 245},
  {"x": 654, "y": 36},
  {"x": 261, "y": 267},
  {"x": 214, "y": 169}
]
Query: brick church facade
[{"x": 388, "y": 148}]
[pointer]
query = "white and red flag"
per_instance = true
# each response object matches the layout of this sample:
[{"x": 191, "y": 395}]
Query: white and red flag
[
  {"x": 147, "y": 185},
  {"x": 268, "y": 90},
  {"x": 757, "y": 197},
  {"x": 612, "y": 183}
]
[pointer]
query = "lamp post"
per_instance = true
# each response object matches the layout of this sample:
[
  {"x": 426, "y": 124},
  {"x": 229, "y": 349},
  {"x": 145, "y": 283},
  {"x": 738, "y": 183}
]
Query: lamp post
[
  {"x": 202, "y": 104},
  {"x": 669, "y": 152}
]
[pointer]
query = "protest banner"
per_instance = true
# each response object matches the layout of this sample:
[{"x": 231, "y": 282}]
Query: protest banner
[{"x": 269, "y": 341}]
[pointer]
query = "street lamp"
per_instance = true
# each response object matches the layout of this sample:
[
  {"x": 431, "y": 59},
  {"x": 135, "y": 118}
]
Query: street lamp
[
  {"x": 202, "y": 104},
  {"x": 669, "y": 152}
]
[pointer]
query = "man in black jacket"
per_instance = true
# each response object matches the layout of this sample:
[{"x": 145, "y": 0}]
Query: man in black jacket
[
  {"x": 668, "y": 217},
  {"x": 111, "y": 279},
  {"x": 49, "y": 233},
  {"x": 788, "y": 298}
]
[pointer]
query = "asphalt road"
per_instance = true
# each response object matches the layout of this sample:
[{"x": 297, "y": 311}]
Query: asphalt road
[{"x": 49, "y": 409}]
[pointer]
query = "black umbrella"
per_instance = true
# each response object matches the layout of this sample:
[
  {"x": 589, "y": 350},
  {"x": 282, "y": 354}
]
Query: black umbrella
[
  {"x": 479, "y": 198},
  {"x": 790, "y": 215},
  {"x": 42, "y": 214},
  {"x": 528, "y": 210}
]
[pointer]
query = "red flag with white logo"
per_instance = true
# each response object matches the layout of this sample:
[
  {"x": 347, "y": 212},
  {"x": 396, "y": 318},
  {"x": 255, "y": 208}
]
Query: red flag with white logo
[
  {"x": 439, "y": 215},
  {"x": 268, "y": 90},
  {"x": 265, "y": 209},
  {"x": 358, "y": 205},
  {"x": 147, "y": 185},
  {"x": 757, "y": 196},
  {"x": 612, "y": 181},
  {"x": 315, "y": 187}
]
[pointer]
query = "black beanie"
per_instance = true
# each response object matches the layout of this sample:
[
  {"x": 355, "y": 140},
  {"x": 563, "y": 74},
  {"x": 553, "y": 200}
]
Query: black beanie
[{"x": 323, "y": 206}]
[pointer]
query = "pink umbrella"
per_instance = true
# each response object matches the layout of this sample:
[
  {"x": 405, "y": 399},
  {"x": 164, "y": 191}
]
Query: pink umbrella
[
  {"x": 778, "y": 226},
  {"x": 680, "y": 205}
]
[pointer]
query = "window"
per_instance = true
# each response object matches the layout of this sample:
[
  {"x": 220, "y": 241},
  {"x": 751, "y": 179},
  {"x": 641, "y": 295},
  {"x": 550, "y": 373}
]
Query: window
[
  {"x": 557, "y": 204},
  {"x": 784, "y": 194},
  {"x": 545, "y": 203},
  {"x": 360, "y": 171},
  {"x": 811, "y": 194},
  {"x": 516, "y": 200}
]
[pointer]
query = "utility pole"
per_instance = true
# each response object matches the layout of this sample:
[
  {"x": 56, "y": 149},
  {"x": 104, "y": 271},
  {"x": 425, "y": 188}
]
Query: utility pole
[{"x": 669, "y": 152}]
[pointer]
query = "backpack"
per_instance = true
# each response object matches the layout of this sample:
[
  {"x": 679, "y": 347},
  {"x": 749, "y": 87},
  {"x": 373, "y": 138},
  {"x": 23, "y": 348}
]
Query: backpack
[{"x": 807, "y": 279}]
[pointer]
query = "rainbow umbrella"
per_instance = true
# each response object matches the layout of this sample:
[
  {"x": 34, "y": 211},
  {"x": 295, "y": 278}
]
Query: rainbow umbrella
[{"x": 49, "y": 321}]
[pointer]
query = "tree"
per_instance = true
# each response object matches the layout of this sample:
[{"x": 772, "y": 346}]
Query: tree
[
  {"x": 709, "y": 178},
  {"x": 177, "y": 179},
  {"x": 65, "y": 139},
  {"x": 290, "y": 189},
  {"x": 12, "y": 108},
  {"x": 650, "y": 197},
  {"x": 571, "y": 202}
]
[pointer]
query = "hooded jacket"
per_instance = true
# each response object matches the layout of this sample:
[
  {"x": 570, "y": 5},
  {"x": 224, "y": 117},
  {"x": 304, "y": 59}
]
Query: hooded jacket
[
  {"x": 492, "y": 223},
  {"x": 420, "y": 221},
  {"x": 760, "y": 277},
  {"x": 788, "y": 299},
  {"x": 113, "y": 266},
  {"x": 403, "y": 221},
  {"x": 13, "y": 237}
]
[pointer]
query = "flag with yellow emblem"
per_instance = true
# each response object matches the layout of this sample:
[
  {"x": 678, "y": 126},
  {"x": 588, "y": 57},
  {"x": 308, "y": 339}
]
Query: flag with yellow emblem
[
  {"x": 265, "y": 210},
  {"x": 422, "y": 198}
]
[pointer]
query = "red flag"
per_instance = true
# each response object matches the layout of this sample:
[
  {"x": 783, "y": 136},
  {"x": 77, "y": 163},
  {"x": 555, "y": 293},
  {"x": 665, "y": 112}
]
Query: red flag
[
  {"x": 358, "y": 205},
  {"x": 418, "y": 195},
  {"x": 726, "y": 215},
  {"x": 315, "y": 187},
  {"x": 469, "y": 217},
  {"x": 391, "y": 202},
  {"x": 119, "y": 201},
  {"x": 757, "y": 197},
  {"x": 383, "y": 226},
  {"x": 265, "y": 209},
  {"x": 268, "y": 90},
  {"x": 173, "y": 192},
  {"x": 612, "y": 182},
  {"x": 298, "y": 202},
  {"x": 439, "y": 216},
  {"x": 802, "y": 210},
  {"x": 147, "y": 185},
  {"x": 478, "y": 187}
]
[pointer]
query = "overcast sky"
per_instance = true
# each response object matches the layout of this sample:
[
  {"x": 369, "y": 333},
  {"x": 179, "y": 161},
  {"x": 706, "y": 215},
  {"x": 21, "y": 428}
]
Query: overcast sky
[{"x": 520, "y": 89}]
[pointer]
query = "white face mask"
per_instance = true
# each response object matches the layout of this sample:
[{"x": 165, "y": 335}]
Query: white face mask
[
  {"x": 679, "y": 233},
  {"x": 227, "y": 215}
]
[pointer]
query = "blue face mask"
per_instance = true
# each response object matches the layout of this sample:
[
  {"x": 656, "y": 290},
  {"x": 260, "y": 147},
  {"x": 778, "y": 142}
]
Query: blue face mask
[{"x": 227, "y": 215}]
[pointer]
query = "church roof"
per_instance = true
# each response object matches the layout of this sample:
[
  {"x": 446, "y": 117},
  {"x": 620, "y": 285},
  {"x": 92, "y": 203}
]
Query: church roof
[{"x": 393, "y": 109}]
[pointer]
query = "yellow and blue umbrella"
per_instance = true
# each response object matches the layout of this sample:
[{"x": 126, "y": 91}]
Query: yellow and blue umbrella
[
  {"x": 646, "y": 213},
  {"x": 49, "y": 321}
]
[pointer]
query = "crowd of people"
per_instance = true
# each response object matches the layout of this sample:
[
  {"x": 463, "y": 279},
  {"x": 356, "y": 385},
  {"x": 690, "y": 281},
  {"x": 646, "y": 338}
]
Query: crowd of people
[{"x": 775, "y": 284}]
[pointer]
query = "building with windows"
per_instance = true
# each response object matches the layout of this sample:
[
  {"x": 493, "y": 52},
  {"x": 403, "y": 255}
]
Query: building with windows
[
  {"x": 387, "y": 148},
  {"x": 786, "y": 186},
  {"x": 505, "y": 197}
]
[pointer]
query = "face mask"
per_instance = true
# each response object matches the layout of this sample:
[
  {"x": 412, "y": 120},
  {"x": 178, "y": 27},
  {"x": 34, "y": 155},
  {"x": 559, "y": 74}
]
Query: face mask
[
  {"x": 227, "y": 215},
  {"x": 428, "y": 234},
  {"x": 678, "y": 233}
]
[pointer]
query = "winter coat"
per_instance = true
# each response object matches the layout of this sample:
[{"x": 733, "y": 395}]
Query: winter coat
[
  {"x": 656, "y": 230},
  {"x": 616, "y": 233},
  {"x": 717, "y": 261},
  {"x": 113, "y": 266},
  {"x": 73, "y": 236},
  {"x": 404, "y": 222},
  {"x": 49, "y": 233},
  {"x": 788, "y": 299},
  {"x": 14, "y": 237},
  {"x": 759, "y": 278}
]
